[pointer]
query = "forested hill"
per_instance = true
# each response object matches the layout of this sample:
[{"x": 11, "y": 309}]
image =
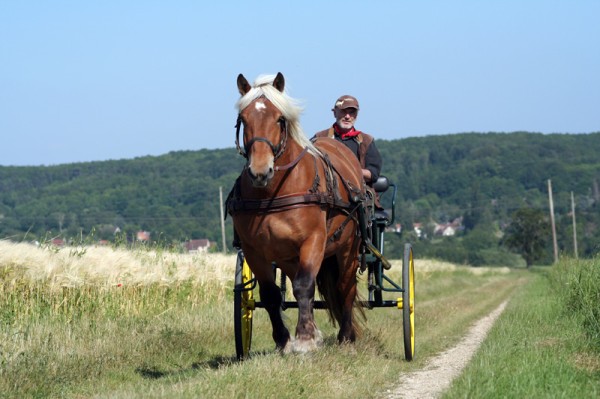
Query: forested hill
[
  {"x": 509, "y": 170},
  {"x": 173, "y": 196},
  {"x": 482, "y": 178}
]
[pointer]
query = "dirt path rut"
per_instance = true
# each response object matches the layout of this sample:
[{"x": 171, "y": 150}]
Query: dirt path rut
[{"x": 440, "y": 371}]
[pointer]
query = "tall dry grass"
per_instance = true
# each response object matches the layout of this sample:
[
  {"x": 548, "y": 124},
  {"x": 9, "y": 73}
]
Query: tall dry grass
[
  {"x": 108, "y": 266},
  {"x": 72, "y": 314}
]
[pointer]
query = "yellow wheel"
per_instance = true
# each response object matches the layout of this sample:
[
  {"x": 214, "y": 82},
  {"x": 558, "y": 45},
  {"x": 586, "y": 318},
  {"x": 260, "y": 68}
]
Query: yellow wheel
[
  {"x": 408, "y": 302},
  {"x": 243, "y": 300}
]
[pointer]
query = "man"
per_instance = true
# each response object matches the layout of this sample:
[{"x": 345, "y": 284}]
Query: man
[{"x": 345, "y": 112}]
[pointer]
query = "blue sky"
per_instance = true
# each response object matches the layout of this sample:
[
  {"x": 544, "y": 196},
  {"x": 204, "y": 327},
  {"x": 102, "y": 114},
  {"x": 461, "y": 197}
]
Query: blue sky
[{"x": 97, "y": 80}]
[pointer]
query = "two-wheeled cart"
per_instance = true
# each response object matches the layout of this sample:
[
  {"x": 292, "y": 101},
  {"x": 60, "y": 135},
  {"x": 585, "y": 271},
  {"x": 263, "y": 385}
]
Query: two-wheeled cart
[{"x": 378, "y": 283}]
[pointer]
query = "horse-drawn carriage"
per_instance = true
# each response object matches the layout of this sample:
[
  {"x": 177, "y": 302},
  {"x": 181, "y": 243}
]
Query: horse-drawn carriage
[{"x": 302, "y": 211}]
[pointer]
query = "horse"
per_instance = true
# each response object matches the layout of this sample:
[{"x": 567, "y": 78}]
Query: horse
[{"x": 296, "y": 203}]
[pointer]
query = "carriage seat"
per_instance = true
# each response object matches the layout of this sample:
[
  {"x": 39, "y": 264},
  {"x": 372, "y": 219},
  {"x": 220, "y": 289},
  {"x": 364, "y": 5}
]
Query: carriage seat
[{"x": 381, "y": 186}]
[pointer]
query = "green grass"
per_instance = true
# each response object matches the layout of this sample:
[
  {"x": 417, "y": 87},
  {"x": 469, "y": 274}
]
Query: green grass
[
  {"x": 578, "y": 283},
  {"x": 53, "y": 341},
  {"x": 538, "y": 348}
]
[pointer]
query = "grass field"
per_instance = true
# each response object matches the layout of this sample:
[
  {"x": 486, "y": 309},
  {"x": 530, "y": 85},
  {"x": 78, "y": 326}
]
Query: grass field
[
  {"x": 536, "y": 349},
  {"x": 103, "y": 322}
]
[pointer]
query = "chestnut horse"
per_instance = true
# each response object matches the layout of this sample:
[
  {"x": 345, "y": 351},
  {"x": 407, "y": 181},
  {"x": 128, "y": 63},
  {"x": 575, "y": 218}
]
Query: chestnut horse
[{"x": 296, "y": 203}]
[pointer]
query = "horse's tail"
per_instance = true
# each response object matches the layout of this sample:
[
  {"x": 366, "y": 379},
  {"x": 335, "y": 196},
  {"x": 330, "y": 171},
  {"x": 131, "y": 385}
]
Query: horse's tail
[{"x": 327, "y": 280}]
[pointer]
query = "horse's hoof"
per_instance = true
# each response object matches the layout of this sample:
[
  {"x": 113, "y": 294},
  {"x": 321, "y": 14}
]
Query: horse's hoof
[
  {"x": 288, "y": 348},
  {"x": 348, "y": 348},
  {"x": 304, "y": 346},
  {"x": 318, "y": 337},
  {"x": 308, "y": 345}
]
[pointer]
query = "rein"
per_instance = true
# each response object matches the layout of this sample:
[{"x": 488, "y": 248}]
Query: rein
[{"x": 293, "y": 163}]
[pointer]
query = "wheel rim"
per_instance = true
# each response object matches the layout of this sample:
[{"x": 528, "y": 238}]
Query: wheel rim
[
  {"x": 411, "y": 280},
  {"x": 247, "y": 309},
  {"x": 408, "y": 302},
  {"x": 243, "y": 308}
]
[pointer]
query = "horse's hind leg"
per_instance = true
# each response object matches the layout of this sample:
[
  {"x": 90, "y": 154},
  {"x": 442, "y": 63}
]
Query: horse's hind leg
[
  {"x": 347, "y": 331},
  {"x": 347, "y": 290},
  {"x": 270, "y": 295}
]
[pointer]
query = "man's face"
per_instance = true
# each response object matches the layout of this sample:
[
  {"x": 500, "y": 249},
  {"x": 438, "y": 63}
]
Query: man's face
[{"x": 345, "y": 118}]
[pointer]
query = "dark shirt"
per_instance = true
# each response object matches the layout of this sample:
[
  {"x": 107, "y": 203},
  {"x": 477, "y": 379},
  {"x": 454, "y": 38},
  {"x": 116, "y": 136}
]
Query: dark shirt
[{"x": 373, "y": 160}]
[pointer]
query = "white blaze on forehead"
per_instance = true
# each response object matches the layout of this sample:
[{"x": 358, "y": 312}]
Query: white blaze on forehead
[{"x": 260, "y": 106}]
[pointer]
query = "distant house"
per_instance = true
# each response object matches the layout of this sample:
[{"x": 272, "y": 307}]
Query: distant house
[
  {"x": 143, "y": 236},
  {"x": 418, "y": 229},
  {"x": 195, "y": 246},
  {"x": 445, "y": 230},
  {"x": 448, "y": 229},
  {"x": 58, "y": 242},
  {"x": 397, "y": 228}
]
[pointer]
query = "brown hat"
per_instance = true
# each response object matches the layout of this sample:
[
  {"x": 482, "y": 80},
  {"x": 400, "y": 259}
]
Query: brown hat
[{"x": 346, "y": 102}]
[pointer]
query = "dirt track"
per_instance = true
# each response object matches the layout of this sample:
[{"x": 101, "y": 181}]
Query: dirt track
[{"x": 440, "y": 371}]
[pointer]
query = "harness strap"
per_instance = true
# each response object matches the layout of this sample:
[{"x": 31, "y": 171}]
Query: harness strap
[
  {"x": 293, "y": 163},
  {"x": 334, "y": 236},
  {"x": 284, "y": 203},
  {"x": 330, "y": 198}
]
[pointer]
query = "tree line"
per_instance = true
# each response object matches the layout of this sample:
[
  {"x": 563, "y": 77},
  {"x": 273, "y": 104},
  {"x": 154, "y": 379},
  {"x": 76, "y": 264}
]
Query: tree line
[{"x": 480, "y": 179}]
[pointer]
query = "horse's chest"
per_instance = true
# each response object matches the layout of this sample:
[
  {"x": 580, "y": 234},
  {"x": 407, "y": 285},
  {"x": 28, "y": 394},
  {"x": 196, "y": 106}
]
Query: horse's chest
[{"x": 284, "y": 226}]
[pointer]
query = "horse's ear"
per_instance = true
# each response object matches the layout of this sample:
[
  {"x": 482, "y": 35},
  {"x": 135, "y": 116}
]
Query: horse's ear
[
  {"x": 279, "y": 82},
  {"x": 243, "y": 85}
]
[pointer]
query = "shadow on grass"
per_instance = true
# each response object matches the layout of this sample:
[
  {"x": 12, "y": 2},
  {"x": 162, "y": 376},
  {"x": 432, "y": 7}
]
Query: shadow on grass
[
  {"x": 155, "y": 373},
  {"x": 215, "y": 363},
  {"x": 151, "y": 373}
]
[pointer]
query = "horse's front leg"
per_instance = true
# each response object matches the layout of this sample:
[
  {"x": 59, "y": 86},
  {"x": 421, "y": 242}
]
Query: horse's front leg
[
  {"x": 308, "y": 336},
  {"x": 270, "y": 295}
]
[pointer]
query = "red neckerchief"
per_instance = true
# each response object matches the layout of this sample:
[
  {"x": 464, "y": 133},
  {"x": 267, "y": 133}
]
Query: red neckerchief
[{"x": 345, "y": 135}]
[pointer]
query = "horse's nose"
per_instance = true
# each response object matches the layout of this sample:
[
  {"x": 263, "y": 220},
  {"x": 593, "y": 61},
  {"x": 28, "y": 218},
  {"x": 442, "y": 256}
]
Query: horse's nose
[{"x": 261, "y": 179}]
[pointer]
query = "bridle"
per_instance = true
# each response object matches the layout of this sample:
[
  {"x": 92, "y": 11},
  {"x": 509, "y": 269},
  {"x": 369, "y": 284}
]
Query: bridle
[{"x": 277, "y": 149}]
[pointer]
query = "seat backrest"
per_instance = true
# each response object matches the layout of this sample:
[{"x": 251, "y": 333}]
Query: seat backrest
[{"x": 381, "y": 185}]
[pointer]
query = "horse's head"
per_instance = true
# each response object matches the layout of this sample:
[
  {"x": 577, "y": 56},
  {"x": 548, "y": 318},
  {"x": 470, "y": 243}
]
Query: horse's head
[{"x": 264, "y": 126}]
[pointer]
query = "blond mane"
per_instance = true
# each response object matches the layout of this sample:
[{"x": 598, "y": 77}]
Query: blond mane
[{"x": 289, "y": 107}]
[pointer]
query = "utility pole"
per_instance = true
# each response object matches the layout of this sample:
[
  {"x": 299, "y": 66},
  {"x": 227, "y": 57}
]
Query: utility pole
[
  {"x": 554, "y": 243},
  {"x": 574, "y": 225},
  {"x": 222, "y": 219}
]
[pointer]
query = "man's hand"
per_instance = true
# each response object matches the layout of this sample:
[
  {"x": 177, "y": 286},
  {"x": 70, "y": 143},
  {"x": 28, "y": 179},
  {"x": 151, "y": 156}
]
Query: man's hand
[{"x": 366, "y": 175}]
